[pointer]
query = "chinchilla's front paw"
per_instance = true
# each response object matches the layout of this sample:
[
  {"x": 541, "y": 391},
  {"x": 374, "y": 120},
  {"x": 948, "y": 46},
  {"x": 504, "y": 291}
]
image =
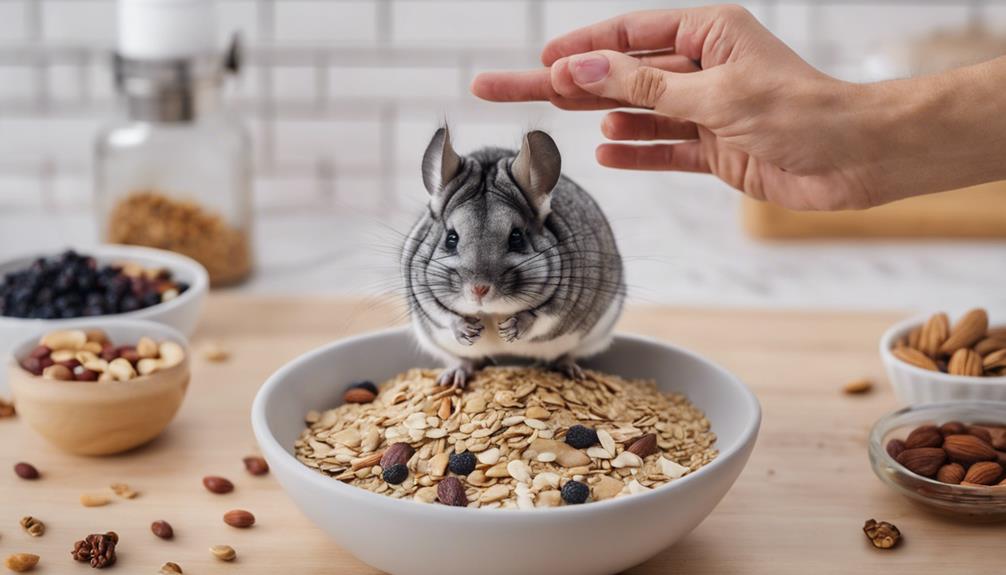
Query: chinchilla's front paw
[
  {"x": 467, "y": 330},
  {"x": 516, "y": 326}
]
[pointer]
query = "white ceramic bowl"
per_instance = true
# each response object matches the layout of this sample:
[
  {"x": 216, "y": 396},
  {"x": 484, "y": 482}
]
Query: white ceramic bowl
[
  {"x": 914, "y": 385},
  {"x": 407, "y": 537},
  {"x": 181, "y": 313}
]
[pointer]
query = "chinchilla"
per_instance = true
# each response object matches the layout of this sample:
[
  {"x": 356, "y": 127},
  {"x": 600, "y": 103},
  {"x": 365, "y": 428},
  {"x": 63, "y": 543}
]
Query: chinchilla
[{"x": 512, "y": 259}]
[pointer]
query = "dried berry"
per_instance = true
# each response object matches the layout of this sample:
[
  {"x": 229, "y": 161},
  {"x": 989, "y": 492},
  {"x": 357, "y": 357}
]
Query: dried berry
[
  {"x": 450, "y": 491},
  {"x": 26, "y": 471},
  {"x": 396, "y": 454},
  {"x": 395, "y": 474},
  {"x": 98, "y": 549},
  {"x": 581, "y": 437},
  {"x": 882, "y": 534},
  {"x": 256, "y": 465},
  {"x": 162, "y": 529},
  {"x": 574, "y": 492},
  {"x": 218, "y": 485},
  {"x": 239, "y": 518},
  {"x": 462, "y": 463}
]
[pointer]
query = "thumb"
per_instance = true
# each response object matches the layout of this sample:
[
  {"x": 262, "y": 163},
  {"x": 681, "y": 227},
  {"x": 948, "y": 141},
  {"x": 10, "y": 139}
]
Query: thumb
[{"x": 621, "y": 77}]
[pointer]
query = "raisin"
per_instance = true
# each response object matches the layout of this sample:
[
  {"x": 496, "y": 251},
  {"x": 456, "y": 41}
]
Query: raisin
[
  {"x": 462, "y": 463},
  {"x": 574, "y": 492},
  {"x": 581, "y": 437},
  {"x": 395, "y": 474}
]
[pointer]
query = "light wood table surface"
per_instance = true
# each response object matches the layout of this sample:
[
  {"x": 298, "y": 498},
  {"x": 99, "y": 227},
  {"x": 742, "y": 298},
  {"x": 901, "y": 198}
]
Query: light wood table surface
[{"x": 798, "y": 507}]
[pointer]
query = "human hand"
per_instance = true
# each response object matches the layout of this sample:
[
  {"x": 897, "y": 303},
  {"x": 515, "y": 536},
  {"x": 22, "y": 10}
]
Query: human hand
[{"x": 740, "y": 104}]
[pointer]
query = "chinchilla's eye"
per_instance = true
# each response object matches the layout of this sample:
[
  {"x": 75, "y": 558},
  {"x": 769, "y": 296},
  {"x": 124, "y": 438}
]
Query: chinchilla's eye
[
  {"x": 451, "y": 242},
  {"x": 516, "y": 240}
]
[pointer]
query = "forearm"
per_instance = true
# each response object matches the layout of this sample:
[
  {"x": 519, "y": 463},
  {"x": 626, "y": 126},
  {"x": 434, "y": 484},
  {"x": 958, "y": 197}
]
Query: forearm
[{"x": 936, "y": 133}]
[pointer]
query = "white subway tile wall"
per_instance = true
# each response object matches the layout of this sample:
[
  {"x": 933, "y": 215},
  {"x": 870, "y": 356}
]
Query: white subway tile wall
[{"x": 341, "y": 96}]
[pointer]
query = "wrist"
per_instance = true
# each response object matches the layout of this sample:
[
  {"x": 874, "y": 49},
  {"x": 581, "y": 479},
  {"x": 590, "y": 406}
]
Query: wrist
[{"x": 934, "y": 133}]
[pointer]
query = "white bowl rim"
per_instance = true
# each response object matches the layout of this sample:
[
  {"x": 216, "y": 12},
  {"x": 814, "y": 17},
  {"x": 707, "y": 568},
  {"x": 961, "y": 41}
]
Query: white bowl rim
[
  {"x": 166, "y": 332},
  {"x": 171, "y": 260},
  {"x": 904, "y": 326},
  {"x": 269, "y": 443}
]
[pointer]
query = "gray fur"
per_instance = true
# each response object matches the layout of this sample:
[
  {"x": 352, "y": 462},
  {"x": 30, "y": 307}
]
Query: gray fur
[{"x": 567, "y": 270}]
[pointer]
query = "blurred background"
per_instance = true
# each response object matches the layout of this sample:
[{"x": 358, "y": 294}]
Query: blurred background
[{"x": 341, "y": 97}]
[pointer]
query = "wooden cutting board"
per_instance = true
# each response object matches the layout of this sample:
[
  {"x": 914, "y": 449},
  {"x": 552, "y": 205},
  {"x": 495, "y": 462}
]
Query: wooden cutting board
[
  {"x": 976, "y": 212},
  {"x": 798, "y": 507}
]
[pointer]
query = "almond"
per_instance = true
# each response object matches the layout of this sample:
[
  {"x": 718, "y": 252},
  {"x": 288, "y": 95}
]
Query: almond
[
  {"x": 218, "y": 485},
  {"x": 968, "y": 330},
  {"x": 951, "y": 473},
  {"x": 239, "y": 518},
  {"x": 914, "y": 338},
  {"x": 925, "y": 461},
  {"x": 645, "y": 445},
  {"x": 968, "y": 449},
  {"x": 895, "y": 447},
  {"x": 450, "y": 491},
  {"x": 935, "y": 331},
  {"x": 953, "y": 428},
  {"x": 914, "y": 357},
  {"x": 984, "y": 473},
  {"x": 965, "y": 362},
  {"x": 989, "y": 345},
  {"x": 444, "y": 412},
  {"x": 857, "y": 386},
  {"x": 995, "y": 360},
  {"x": 396, "y": 454},
  {"x": 981, "y": 433},
  {"x": 358, "y": 395},
  {"x": 925, "y": 436}
]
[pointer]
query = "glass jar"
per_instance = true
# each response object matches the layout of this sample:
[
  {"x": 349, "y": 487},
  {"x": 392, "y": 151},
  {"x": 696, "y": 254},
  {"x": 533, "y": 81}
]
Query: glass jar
[{"x": 173, "y": 171}]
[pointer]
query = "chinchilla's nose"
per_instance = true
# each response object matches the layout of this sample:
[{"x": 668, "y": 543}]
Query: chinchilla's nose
[{"x": 480, "y": 290}]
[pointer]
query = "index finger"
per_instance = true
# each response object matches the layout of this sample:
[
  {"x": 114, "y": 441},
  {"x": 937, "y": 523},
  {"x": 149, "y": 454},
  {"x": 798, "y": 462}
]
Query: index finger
[{"x": 635, "y": 31}]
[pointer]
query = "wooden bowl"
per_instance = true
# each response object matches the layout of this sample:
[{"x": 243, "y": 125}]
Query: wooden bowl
[{"x": 102, "y": 418}]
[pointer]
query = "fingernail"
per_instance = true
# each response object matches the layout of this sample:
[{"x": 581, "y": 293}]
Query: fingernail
[{"x": 589, "y": 68}]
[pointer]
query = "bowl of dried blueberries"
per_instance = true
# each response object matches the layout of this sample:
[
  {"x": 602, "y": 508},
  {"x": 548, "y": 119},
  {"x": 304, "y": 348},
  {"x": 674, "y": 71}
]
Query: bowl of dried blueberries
[
  {"x": 93, "y": 390},
  {"x": 43, "y": 292},
  {"x": 949, "y": 457},
  {"x": 577, "y": 476}
]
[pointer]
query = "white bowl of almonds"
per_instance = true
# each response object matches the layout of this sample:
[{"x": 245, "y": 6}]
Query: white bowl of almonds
[
  {"x": 97, "y": 388},
  {"x": 525, "y": 471},
  {"x": 938, "y": 357}
]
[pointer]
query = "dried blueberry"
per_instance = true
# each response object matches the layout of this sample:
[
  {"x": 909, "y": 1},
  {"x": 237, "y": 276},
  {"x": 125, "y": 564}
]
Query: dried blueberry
[
  {"x": 396, "y": 474},
  {"x": 581, "y": 437},
  {"x": 368, "y": 385},
  {"x": 462, "y": 463},
  {"x": 575, "y": 492}
]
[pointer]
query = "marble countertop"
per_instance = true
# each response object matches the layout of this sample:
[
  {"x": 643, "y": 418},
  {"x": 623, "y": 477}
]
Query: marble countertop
[{"x": 681, "y": 240}]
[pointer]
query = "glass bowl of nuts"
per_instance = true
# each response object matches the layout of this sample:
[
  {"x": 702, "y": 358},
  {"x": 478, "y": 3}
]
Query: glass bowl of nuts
[
  {"x": 949, "y": 457},
  {"x": 934, "y": 358},
  {"x": 97, "y": 388}
]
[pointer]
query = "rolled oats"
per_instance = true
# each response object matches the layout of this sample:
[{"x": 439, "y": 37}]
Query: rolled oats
[{"x": 514, "y": 421}]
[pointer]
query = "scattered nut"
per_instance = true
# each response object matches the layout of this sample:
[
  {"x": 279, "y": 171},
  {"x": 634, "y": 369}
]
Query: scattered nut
[
  {"x": 239, "y": 518},
  {"x": 882, "y": 534},
  {"x": 170, "y": 568},
  {"x": 33, "y": 526},
  {"x": 7, "y": 409},
  {"x": 26, "y": 471},
  {"x": 213, "y": 351},
  {"x": 21, "y": 562},
  {"x": 123, "y": 491},
  {"x": 162, "y": 529},
  {"x": 857, "y": 386},
  {"x": 98, "y": 549},
  {"x": 218, "y": 485},
  {"x": 92, "y": 500},
  {"x": 223, "y": 552},
  {"x": 256, "y": 465}
]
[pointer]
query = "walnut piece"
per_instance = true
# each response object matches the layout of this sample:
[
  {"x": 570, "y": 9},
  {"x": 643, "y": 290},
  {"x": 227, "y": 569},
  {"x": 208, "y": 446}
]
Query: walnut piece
[{"x": 882, "y": 534}]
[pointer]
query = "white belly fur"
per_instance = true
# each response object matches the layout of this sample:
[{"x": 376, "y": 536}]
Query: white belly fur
[{"x": 443, "y": 344}]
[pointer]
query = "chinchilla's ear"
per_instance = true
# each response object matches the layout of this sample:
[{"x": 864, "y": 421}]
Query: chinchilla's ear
[
  {"x": 536, "y": 169},
  {"x": 440, "y": 164}
]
